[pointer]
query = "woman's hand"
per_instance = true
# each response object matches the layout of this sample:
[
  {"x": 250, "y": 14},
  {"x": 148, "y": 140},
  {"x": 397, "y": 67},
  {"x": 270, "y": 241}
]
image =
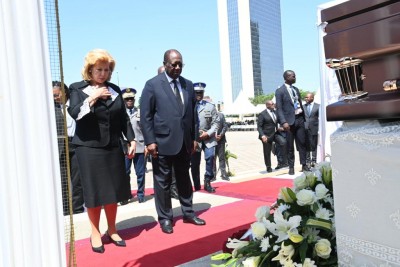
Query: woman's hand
[
  {"x": 131, "y": 150},
  {"x": 102, "y": 92}
]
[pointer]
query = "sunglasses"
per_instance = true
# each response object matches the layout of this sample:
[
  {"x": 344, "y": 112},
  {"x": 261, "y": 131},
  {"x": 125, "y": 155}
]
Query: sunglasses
[
  {"x": 175, "y": 65},
  {"x": 129, "y": 99}
]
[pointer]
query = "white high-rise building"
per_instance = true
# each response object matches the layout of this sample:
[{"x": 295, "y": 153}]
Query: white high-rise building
[{"x": 251, "y": 50}]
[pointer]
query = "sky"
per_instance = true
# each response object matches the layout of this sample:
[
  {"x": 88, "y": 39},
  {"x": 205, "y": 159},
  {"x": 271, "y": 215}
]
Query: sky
[{"x": 137, "y": 33}]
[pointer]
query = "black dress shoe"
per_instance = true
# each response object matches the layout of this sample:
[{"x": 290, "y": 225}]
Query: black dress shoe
[
  {"x": 122, "y": 203},
  {"x": 305, "y": 168},
  {"x": 194, "y": 220},
  {"x": 166, "y": 227},
  {"x": 208, "y": 187},
  {"x": 213, "y": 179},
  {"x": 291, "y": 171},
  {"x": 269, "y": 169},
  {"x": 141, "y": 199},
  {"x": 226, "y": 178},
  {"x": 197, "y": 188},
  {"x": 120, "y": 243},
  {"x": 281, "y": 166},
  {"x": 97, "y": 249}
]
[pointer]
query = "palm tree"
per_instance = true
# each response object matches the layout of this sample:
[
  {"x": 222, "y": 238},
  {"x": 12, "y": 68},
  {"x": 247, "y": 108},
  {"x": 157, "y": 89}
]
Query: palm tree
[{"x": 228, "y": 155}]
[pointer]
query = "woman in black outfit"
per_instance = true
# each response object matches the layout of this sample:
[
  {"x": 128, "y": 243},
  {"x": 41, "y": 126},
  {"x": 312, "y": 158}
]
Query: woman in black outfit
[{"x": 101, "y": 119}]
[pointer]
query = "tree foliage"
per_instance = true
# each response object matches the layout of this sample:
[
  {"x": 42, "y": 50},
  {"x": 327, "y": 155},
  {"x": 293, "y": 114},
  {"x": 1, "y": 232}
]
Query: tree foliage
[{"x": 261, "y": 99}]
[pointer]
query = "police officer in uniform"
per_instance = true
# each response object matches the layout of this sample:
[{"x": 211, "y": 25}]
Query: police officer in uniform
[
  {"x": 206, "y": 128},
  {"x": 139, "y": 161}
]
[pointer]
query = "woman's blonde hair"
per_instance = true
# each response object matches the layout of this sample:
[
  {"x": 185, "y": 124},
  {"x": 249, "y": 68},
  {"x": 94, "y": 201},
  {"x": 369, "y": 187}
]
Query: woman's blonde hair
[{"x": 94, "y": 56}]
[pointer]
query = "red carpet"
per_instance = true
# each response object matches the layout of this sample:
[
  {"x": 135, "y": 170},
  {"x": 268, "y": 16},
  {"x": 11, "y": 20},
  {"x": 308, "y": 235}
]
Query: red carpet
[
  {"x": 147, "y": 246},
  {"x": 265, "y": 189}
]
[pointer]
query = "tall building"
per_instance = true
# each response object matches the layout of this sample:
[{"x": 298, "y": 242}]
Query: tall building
[{"x": 251, "y": 50}]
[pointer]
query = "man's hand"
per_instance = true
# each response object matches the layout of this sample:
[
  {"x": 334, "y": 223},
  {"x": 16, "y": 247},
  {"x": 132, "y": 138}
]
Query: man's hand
[
  {"x": 153, "y": 150},
  {"x": 194, "y": 147},
  {"x": 264, "y": 139},
  {"x": 286, "y": 127},
  {"x": 218, "y": 137},
  {"x": 204, "y": 136}
]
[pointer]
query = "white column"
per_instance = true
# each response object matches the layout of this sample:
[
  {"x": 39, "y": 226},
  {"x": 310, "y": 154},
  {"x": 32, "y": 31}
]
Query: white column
[{"x": 31, "y": 222}]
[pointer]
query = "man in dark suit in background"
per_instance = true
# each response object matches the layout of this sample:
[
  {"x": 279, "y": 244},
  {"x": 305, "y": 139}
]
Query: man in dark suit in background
[
  {"x": 220, "y": 148},
  {"x": 267, "y": 132},
  {"x": 291, "y": 117},
  {"x": 312, "y": 128},
  {"x": 168, "y": 124}
]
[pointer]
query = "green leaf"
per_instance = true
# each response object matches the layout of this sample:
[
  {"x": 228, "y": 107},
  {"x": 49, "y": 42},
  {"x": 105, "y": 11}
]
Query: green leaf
[
  {"x": 221, "y": 256},
  {"x": 314, "y": 207},
  {"x": 303, "y": 250},
  {"x": 319, "y": 224},
  {"x": 291, "y": 194},
  {"x": 231, "y": 262}
]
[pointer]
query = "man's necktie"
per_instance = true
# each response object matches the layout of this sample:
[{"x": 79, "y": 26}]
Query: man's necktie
[
  {"x": 309, "y": 109},
  {"x": 293, "y": 92},
  {"x": 131, "y": 111},
  {"x": 177, "y": 94},
  {"x": 295, "y": 98},
  {"x": 273, "y": 115}
]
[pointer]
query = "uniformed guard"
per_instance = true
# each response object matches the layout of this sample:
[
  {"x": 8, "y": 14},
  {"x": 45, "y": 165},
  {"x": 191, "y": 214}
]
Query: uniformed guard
[
  {"x": 139, "y": 161},
  {"x": 207, "y": 126}
]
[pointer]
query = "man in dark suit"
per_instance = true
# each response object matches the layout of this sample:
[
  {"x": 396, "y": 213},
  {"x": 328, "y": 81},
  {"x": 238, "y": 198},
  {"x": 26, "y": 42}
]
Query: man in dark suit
[
  {"x": 267, "y": 132},
  {"x": 291, "y": 117},
  {"x": 168, "y": 126},
  {"x": 312, "y": 127},
  {"x": 220, "y": 148}
]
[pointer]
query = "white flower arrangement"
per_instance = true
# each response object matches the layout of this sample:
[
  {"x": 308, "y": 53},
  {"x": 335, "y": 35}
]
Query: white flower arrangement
[{"x": 297, "y": 231}]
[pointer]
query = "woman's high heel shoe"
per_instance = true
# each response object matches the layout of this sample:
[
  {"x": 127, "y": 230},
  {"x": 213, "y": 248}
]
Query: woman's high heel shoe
[
  {"x": 97, "y": 249},
  {"x": 120, "y": 243}
]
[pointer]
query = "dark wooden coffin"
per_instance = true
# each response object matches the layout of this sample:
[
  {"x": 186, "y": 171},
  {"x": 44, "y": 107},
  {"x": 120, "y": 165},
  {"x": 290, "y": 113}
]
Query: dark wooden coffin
[{"x": 368, "y": 30}]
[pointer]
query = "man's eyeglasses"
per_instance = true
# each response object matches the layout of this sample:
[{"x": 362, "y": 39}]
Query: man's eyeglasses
[
  {"x": 176, "y": 64},
  {"x": 129, "y": 99}
]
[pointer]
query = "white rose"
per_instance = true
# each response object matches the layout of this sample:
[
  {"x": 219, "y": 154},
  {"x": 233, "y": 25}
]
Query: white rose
[
  {"x": 251, "y": 261},
  {"x": 300, "y": 182},
  {"x": 320, "y": 191},
  {"x": 305, "y": 197},
  {"x": 258, "y": 229},
  {"x": 262, "y": 212},
  {"x": 323, "y": 248}
]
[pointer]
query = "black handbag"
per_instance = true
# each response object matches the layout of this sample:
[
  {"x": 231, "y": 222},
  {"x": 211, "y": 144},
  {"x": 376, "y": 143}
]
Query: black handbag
[{"x": 124, "y": 144}]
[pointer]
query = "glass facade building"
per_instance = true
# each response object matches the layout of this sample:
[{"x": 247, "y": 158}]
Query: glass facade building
[{"x": 251, "y": 47}]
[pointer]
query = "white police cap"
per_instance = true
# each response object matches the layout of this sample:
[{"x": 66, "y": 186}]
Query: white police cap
[{"x": 199, "y": 86}]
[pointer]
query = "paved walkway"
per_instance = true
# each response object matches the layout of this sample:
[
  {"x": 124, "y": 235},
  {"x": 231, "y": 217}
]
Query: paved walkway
[{"x": 249, "y": 163}]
